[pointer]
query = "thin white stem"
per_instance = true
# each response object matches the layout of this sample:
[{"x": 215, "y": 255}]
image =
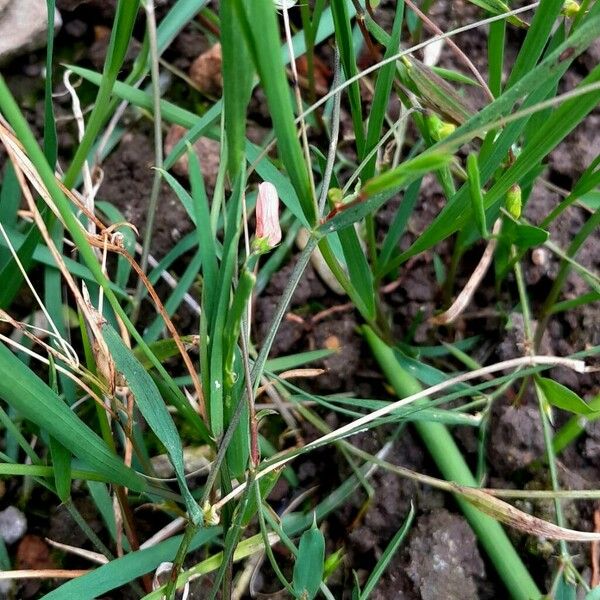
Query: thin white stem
[
  {"x": 464, "y": 298},
  {"x": 360, "y": 424},
  {"x": 63, "y": 343},
  {"x": 88, "y": 186},
  {"x": 288, "y": 37}
]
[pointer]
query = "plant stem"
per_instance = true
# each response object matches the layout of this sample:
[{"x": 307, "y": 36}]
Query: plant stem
[
  {"x": 158, "y": 152},
  {"x": 525, "y": 309},
  {"x": 453, "y": 467},
  {"x": 284, "y": 301}
]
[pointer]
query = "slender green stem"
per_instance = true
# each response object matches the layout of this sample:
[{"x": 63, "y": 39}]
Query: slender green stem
[
  {"x": 560, "y": 519},
  {"x": 452, "y": 465},
  {"x": 158, "y": 153},
  {"x": 87, "y": 530},
  {"x": 267, "y": 544},
  {"x": 233, "y": 534},
  {"x": 190, "y": 532},
  {"x": 284, "y": 301},
  {"x": 525, "y": 309}
]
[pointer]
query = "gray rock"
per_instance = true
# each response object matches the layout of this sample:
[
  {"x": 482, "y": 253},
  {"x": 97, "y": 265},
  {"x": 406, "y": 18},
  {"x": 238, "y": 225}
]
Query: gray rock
[
  {"x": 4, "y": 4},
  {"x": 444, "y": 559},
  {"x": 23, "y": 27},
  {"x": 13, "y": 524}
]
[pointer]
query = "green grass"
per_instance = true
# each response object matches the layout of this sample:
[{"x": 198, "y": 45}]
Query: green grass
[{"x": 103, "y": 395}]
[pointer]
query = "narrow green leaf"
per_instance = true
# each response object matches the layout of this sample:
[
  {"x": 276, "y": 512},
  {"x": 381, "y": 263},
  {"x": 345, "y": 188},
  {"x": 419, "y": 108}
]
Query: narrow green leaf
[
  {"x": 308, "y": 568},
  {"x": 383, "y": 88},
  {"x": 206, "y": 236},
  {"x": 562, "y": 397},
  {"x": 50, "y": 139},
  {"x": 457, "y": 212},
  {"x": 265, "y": 485},
  {"x": 387, "y": 555},
  {"x": 342, "y": 13},
  {"x": 359, "y": 271},
  {"x": 180, "y": 14},
  {"x": 31, "y": 397},
  {"x": 120, "y": 38},
  {"x": 536, "y": 38},
  {"x": 497, "y": 7},
  {"x": 153, "y": 409},
  {"x": 381, "y": 188},
  {"x": 237, "y": 83},
  {"x": 122, "y": 570},
  {"x": 61, "y": 463},
  {"x": 495, "y": 49},
  {"x": 527, "y": 236},
  {"x": 394, "y": 178},
  {"x": 264, "y": 44},
  {"x": 476, "y": 195}
]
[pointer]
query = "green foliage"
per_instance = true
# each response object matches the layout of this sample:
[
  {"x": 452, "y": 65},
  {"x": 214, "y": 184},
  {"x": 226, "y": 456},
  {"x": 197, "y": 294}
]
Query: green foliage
[
  {"x": 308, "y": 568},
  {"x": 216, "y": 271}
]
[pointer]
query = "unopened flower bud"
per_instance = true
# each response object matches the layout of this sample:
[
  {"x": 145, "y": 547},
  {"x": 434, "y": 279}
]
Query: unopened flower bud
[
  {"x": 570, "y": 9},
  {"x": 513, "y": 201},
  {"x": 439, "y": 129},
  {"x": 268, "y": 230}
]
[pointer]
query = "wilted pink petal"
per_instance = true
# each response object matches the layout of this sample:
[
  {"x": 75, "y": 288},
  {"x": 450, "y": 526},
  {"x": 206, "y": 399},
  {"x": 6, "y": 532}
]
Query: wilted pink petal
[{"x": 267, "y": 214}]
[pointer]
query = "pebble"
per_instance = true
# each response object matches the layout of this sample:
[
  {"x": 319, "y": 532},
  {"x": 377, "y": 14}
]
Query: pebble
[
  {"x": 23, "y": 27},
  {"x": 13, "y": 524}
]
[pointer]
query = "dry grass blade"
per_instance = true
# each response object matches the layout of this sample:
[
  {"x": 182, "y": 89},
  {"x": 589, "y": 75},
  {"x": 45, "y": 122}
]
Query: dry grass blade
[
  {"x": 292, "y": 374},
  {"x": 95, "y": 557},
  {"x": 42, "y": 574},
  {"x": 509, "y": 515},
  {"x": 464, "y": 298},
  {"x": 25, "y": 168}
]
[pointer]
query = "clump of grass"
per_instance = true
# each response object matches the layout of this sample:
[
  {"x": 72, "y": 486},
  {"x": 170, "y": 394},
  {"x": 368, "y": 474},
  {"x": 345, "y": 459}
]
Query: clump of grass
[{"x": 123, "y": 368}]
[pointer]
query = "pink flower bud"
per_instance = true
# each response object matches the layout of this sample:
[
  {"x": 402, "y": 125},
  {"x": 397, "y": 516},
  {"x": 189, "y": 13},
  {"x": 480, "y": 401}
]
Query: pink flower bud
[{"x": 267, "y": 215}]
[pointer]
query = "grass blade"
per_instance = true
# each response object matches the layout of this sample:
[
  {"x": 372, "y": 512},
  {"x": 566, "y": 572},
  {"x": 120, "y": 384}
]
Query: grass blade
[
  {"x": 153, "y": 409},
  {"x": 31, "y": 397}
]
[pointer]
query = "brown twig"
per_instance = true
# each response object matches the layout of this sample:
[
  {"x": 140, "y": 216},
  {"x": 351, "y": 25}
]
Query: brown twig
[
  {"x": 595, "y": 551},
  {"x": 99, "y": 241}
]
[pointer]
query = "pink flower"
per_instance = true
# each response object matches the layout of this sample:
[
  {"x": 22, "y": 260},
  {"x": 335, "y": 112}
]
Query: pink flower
[{"x": 267, "y": 215}]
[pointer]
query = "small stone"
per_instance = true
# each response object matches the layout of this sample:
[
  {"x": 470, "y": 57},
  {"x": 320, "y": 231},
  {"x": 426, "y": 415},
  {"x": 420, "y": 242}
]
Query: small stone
[
  {"x": 34, "y": 553},
  {"x": 13, "y": 524},
  {"x": 332, "y": 343},
  {"x": 539, "y": 256},
  {"x": 23, "y": 27},
  {"x": 207, "y": 150},
  {"x": 205, "y": 72}
]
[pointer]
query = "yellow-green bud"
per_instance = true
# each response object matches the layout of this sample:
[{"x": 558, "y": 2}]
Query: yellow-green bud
[
  {"x": 211, "y": 516},
  {"x": 513, "y": 201},
  {"x": 446, "y": 129},
  {"x": 570, "y": 8},
  {"x": 439, "y": 129},
  {"x": 335, "y": 195}
]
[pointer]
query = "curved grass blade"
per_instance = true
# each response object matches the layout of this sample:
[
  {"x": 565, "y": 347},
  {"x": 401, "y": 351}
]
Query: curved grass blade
[
  {"x": 387, "y": 555},
  {"x": 153, "y": 409},
  {"x": 30, "y": 396},
  {"x": 308, "y": 568},
  {"x": 123, "y": 570}
]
